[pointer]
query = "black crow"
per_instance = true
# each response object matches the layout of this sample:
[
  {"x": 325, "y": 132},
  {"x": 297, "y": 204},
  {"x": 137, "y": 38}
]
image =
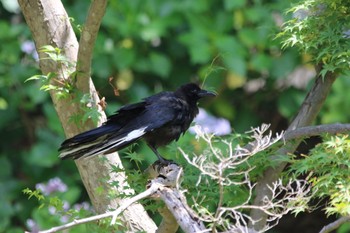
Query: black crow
[{"x": 158, "y": 119}]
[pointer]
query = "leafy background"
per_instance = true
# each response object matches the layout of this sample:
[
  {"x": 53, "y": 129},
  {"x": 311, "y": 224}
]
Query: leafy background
[{"x": 150, "y": 46}]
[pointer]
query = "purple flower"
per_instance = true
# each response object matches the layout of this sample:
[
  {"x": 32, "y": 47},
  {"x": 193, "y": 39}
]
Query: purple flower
[
  {"x": 32, "y": 225},
  {"x": 53, "y": 185},
  {"x": 64, "y": 219},
  {"x": 211, "y": 124},
  {"x": 84, "y": 205},
  {"x": 28, "y": 47}
]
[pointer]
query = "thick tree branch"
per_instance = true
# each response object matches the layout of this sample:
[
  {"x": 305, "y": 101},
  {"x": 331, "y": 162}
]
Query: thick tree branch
[
  {"x": 335, "y": 225},
  {"x": 177, "y": 205},
  {"x": 86, "y": 43},
  {"x": 309, "y": 131},
  {"x": 307, "y": 113}
]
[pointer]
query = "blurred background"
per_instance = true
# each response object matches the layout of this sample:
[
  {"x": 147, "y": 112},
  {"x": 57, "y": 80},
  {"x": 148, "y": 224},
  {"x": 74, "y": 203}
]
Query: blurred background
[{"x": 144, "y": 47}]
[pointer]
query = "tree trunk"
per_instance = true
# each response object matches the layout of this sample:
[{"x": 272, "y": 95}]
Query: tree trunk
[{"x": 49, "y": 24}]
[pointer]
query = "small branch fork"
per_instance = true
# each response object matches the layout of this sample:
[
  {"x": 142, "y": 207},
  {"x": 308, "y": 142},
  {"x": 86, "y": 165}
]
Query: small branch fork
[{"x": 163, "y": 187}]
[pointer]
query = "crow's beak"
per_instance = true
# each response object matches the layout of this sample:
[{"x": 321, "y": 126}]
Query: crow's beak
[{"x": 205, "y": 93}]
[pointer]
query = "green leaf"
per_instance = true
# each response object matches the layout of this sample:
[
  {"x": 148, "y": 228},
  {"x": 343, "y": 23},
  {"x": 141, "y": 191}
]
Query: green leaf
[
  {"x": 134, "y": 157},
  {"x": 160, "y": 64},
  {"x": 261, "y": 62},
  {"x": 234, "y": 4},
  {"x": 235, "y": 64},
  {"x": 36, "y": 77},
  {"x": 48, "y": 87},
  {"x": 36, "y": 193},
  {"x": 49, "y": 49}
]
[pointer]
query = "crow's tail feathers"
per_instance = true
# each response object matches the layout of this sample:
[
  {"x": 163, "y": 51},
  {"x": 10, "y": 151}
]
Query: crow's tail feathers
[{"x": 102, "y": 140}]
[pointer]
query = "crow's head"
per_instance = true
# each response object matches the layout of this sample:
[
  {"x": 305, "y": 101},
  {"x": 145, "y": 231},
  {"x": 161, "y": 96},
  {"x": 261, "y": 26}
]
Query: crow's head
[{"x": 192, "y": 92}]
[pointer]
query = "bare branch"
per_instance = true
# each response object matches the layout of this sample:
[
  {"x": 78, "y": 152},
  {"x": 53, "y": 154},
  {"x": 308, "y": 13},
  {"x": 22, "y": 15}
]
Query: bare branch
[
  {"x": 334, "y": 225},
  {"x": 177, "y": 205},
  {"x": 175, "y": 200},
  {"x": 231, "y": 158},
  {"x": 228, "y": 167},
  {"x": 114, "y": 214},
  {"x": 309, "y": 131},
  {"x": 162, "y": 186}
]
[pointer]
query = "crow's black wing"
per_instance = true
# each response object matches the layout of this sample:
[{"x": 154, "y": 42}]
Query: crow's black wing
[
  {"x": 84, "y": 143},
  {"x": 159, "y": 111},
  {"x": 113, "y": 124},
  {"x": 127, "y": 112}
]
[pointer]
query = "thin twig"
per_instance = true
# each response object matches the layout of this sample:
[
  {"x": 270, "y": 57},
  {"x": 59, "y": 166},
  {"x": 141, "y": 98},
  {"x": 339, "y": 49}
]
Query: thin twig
[
  {"x": 154, "y": 187},
  {"x": 230, "y": 167}
]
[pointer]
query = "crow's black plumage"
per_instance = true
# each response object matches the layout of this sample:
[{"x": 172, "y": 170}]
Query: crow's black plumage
[{"x": 158, "y": 119}]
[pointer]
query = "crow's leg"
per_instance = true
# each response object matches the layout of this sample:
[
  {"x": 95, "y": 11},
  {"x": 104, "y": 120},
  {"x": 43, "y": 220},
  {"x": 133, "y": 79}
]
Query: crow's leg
[{"x": 160, "y": 158}]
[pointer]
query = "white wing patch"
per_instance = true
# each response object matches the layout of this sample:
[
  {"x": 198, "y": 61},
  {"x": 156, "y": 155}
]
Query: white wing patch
[{"x": 134, "y": 134}]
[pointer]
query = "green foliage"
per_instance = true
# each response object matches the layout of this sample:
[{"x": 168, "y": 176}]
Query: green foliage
[
  {"x": 321, "y": 29},
  {"x": 65, "y": 88},
  {"x": 89, "y": 108},
  {"x": 54, "y": 210},
  {"x": 55, "y": 54},
  {"x": 36, "y": 193},
  {"x": 336, "y": 103},
  {"x": 327, "y": 168},
  {"x": 50, "y": 82}
]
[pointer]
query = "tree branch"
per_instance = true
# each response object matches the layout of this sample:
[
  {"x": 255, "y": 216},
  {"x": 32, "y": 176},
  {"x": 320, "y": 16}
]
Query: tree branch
[
  {"x": 231, "y": 167},
  {"x": 334, "y": 225},
  {"x": 177, "y": 205},
  {"x": 87, "y": 42},
  {"x": 114, "y": 214},
  {"x": 316, "y": 130},
  {"x": 306, "y": 115},
  {"x": 164, "y": 185}
]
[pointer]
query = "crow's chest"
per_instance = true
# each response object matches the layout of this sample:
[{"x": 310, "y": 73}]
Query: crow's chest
[{"x": 169, "y": 132}]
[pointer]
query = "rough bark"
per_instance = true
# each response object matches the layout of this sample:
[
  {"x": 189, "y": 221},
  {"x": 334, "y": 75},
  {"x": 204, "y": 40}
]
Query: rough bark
[
  {"x": 178, "y": 212},
  {"x": 310, "y": 108},
  {"x": 49, "y": 24}
]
